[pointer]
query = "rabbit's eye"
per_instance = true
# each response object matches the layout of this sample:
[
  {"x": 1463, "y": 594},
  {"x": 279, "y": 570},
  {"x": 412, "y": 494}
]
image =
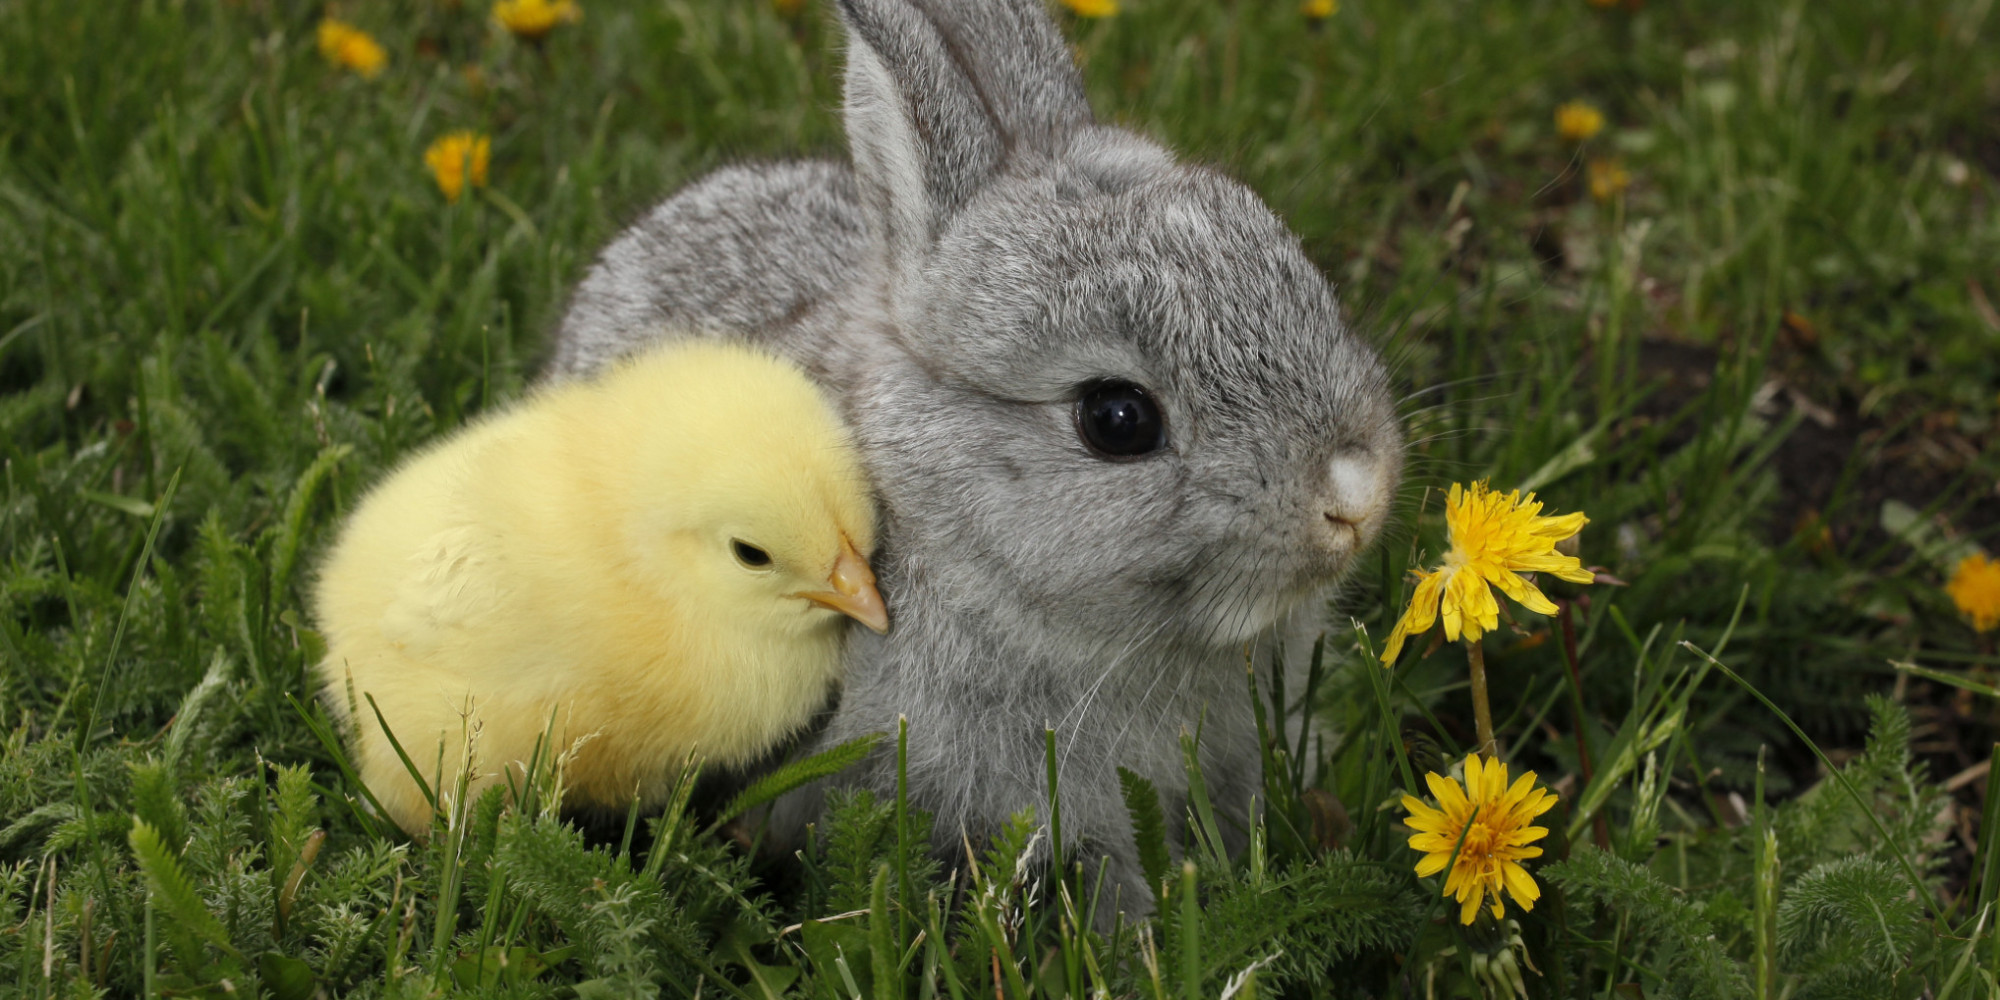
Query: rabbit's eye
[{"x": 1118, "y": 420}]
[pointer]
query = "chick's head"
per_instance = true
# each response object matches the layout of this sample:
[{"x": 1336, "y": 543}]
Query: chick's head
[{"x": 740, "y": 495}]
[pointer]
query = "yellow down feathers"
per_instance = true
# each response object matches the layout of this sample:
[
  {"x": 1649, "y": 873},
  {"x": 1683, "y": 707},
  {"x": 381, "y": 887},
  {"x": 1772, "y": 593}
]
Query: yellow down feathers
[{"x": 653, "y": 562}]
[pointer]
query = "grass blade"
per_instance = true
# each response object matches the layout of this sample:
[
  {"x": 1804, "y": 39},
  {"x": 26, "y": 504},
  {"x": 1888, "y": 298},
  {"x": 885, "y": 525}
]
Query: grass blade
[{"x": 824, "y": 764}]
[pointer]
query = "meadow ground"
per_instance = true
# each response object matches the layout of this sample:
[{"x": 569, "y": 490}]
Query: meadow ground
[{"x": 1747, "y": 322}]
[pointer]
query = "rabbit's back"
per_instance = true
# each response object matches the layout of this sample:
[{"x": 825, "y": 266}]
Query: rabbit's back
[{"x": 759, "y": 252}]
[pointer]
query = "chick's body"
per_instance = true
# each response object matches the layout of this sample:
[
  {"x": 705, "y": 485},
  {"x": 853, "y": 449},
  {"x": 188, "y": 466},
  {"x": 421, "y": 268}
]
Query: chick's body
[{"x": 657, "y": 560}]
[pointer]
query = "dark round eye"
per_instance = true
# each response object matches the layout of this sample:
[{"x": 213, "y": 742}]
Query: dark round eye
[
  {"x": 748, "y": 554},
  {"x": 1119, "y": 420}
]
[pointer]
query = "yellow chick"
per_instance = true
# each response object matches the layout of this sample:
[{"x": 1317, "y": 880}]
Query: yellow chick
[{"x": 658, "y": 560}]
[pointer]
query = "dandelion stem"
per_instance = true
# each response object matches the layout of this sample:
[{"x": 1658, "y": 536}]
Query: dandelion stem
[
  {"x": 1564, "y": 615},
  {"x": 1482, "y": 713}
]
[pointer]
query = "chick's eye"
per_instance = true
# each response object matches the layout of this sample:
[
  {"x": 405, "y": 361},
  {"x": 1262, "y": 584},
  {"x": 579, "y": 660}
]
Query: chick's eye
[
  {"x": 749, "y": 555},
  {"x": 1119, "y": 420}
]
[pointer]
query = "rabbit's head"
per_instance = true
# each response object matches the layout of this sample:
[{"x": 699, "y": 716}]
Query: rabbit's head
[{"x": 1116, "y": 389}]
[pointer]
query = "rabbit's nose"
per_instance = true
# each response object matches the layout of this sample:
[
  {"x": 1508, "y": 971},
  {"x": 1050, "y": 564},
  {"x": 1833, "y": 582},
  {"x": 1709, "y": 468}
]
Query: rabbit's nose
[{"x": 1353, "y": 498}]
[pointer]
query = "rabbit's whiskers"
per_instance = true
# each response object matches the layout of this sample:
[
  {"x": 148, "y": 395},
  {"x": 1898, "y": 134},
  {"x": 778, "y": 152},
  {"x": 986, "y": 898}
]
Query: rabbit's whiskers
[
  {"x": 1243, "y": 605},
  {"x": 1230, "y": 593},
  {"x": 1214, "y": 586},
  {"x": 1438, "y": 387},
  {"x": 1196, "y": 600},
  {"x": 1081, "y": 710},
  {"x": 1447, "y": 434},
  {"x": 1153, "y": 609}
]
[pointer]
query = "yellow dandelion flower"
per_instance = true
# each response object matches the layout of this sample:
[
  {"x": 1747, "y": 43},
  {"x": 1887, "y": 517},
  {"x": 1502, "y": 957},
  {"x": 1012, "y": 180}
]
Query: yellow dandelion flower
[
  {"x": 1494, "y": 538},
  {"x": 1577, "y": 121},
  {"x": 456, "y": 158},
  {"x": 1608, "y": 179},
  {"x": 534, "y": 19},
  {"x": 1319, "y": 10},
  {"x": 349, "y": 47},
  {"x": 1092, "y": 8},
  {"x": 1975, "y": 588},
  {"x": 1486, "y": 822}
]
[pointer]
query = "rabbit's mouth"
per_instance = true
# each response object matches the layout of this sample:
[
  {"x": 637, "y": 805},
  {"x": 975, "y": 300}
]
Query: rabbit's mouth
[
  {"x": 1345, "y": 533},
  {"x": 1256, "y": 576},
  {"x": 1335, "y": 542}
]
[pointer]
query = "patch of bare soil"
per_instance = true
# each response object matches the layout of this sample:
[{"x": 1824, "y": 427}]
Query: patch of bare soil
[{"x": 1838, "y": 466}]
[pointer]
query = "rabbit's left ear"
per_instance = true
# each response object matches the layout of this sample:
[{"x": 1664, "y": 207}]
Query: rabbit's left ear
[{"x": 939, "y": 94}]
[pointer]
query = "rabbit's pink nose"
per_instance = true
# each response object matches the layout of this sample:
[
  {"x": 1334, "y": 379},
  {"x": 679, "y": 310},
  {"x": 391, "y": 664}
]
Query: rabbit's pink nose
[{"x": 1351, "y": 502}]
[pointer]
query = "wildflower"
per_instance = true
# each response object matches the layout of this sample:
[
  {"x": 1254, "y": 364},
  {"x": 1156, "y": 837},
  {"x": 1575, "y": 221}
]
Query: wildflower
[
  {"x": 787, "y": 8},
  {"x": 1975, "y": 588},
  {"x": 1319, "y": 10},
  {"x": 1486, "y": 822},
  {"x": 1608, "y": 179},
  {"x": 1494, "y": 538},
  {"x": 1092, "y": 8},
  {"x": 349, "y": 47},
  {"x": 532, "y": 20},
  {"x": 456, "y": 158},
  {"x": 1577, "y": 121}
]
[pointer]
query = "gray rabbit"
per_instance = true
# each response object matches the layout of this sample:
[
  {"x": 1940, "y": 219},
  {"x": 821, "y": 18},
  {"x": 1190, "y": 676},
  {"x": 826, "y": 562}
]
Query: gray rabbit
[{"x": 1118, "y": 429}]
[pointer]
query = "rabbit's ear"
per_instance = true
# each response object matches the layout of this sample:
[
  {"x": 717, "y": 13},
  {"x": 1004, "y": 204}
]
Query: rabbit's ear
[{"x": 939, "y": 93}]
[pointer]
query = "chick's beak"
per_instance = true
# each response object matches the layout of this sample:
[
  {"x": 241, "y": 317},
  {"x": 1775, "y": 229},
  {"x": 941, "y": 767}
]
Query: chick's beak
[{"x": 851, "y": 590}]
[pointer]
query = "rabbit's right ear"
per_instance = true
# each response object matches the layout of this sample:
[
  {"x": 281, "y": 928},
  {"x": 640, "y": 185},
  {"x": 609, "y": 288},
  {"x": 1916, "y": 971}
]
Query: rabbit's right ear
[{"x": 939, "y": 94}]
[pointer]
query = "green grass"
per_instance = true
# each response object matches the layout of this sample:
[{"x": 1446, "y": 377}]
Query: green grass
[{"x": 230, "y": 298}]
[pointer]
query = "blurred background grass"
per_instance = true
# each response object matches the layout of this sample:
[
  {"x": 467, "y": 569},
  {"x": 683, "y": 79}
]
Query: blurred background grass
[{"x": 1767, "y": 363}]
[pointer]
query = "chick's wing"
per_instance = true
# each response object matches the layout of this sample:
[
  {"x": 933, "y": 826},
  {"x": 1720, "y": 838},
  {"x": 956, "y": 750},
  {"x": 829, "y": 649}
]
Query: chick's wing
[{"x": 453, "y": 587}]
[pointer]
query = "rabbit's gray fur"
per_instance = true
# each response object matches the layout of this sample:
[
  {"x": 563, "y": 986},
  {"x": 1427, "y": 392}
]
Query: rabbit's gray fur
[{"x": 992, "y": 250}]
